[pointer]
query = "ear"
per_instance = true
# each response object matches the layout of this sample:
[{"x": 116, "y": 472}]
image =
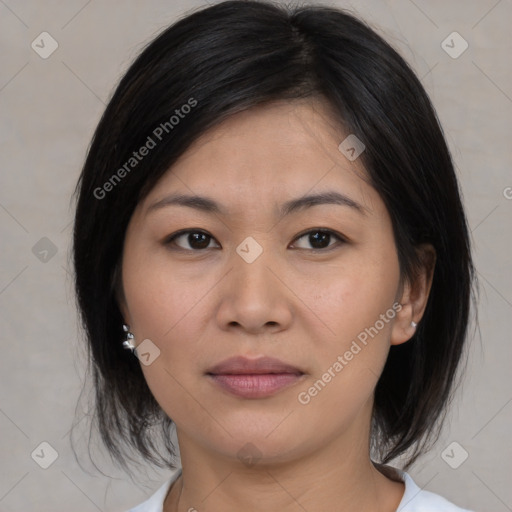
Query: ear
[{"x": 414, "y": 296}]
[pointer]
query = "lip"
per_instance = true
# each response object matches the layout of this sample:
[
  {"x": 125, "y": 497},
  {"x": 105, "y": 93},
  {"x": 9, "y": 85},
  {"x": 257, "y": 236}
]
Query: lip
[
  {"x": 240, "y": 365},
  {"x": 254, "y": 378}
]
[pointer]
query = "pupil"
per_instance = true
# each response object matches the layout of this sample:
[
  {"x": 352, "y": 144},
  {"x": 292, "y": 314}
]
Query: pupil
[
  {"x": 315, "y": 239},
  {"x": 198, "y": 240},
  {"x": 318, "y": 240}
]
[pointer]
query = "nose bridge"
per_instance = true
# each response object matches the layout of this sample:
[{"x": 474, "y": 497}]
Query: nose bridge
[
  {"x": 251, "y": 261},
  {"x": 254, "y": 297}
]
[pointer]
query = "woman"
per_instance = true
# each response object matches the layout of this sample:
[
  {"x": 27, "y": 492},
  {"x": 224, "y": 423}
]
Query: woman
[{"x": 272, "y": 258}]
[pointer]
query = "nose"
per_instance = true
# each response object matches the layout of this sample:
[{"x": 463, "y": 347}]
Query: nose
[{"x": 253, "y": 299}]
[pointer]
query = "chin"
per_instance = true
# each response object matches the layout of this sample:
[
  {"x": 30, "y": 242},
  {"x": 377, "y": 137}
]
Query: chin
[{"x": 259, "y": 445}]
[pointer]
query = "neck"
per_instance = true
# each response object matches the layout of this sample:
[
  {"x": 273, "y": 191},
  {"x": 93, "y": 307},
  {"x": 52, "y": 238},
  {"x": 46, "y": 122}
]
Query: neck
[{"x": 340, "y": 477}]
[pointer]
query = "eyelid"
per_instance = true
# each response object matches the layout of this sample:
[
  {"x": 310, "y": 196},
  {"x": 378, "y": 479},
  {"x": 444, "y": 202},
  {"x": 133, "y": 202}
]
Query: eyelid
[
  {"x": 341, "y": 238},
  {"x": 170, "y": 239}
]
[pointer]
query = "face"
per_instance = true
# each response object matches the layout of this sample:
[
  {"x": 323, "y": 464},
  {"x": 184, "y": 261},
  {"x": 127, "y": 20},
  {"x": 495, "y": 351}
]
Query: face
[{"x": 314, "y": 284}]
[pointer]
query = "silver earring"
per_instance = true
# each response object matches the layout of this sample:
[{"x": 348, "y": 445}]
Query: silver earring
[
  {"x": 414, "y": 324},
  {"x": 128, "y": 343}
]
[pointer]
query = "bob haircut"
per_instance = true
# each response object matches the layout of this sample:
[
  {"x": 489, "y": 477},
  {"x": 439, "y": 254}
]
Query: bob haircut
[{"x": 227, "y": 58}]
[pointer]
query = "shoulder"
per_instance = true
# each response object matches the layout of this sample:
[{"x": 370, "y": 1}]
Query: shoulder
[
  {"x": 416, "y": 499},
  {"x": 156, "y": 502}
]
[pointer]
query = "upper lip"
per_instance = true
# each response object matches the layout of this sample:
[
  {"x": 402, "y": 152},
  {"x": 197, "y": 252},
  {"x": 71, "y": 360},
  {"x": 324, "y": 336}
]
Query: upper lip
[{"x": 243, "y": 365}]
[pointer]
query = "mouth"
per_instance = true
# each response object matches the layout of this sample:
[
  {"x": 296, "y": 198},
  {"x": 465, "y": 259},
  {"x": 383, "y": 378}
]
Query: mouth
[
  {"x": 240, "y": 365},
  {"x": 254, "y": 378},
  {"x": 255, "y": 385}
]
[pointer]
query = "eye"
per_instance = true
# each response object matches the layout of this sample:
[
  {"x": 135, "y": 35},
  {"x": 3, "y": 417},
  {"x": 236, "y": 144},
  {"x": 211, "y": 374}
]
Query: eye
[
  {"x": 320, "y": 239},
  {"x": 197, "y": 240}
]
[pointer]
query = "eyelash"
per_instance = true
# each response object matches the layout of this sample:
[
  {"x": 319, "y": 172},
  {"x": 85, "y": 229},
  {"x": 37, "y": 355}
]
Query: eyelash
[{"x": 170, "y": 240}]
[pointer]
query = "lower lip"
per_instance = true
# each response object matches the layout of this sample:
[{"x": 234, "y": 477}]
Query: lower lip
[{"x": 255, "y": 385}]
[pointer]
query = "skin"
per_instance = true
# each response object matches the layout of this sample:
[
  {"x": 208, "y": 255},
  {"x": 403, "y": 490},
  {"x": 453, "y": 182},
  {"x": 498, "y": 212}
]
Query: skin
[{"x": 200, "y": 306}]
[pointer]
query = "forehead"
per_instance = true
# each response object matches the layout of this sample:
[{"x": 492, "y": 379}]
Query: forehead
[{"x": 271, "y": 152}]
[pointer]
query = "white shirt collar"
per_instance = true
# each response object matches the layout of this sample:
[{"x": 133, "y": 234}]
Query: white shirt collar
[{"x": 414, "y": 499}]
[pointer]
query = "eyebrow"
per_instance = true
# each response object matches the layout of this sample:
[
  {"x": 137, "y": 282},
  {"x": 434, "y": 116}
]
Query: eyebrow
[{"x": 208, "y": 205}]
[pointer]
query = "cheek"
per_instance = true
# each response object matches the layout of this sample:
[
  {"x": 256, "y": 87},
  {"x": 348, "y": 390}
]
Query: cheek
[
  {"x": 356, "y": 303},
  {"x": 350, "y": 361},
  {"x": 161, "y": 299},
  {"x": 165, "y": 307},
  {"x": 352, "y": 296}
]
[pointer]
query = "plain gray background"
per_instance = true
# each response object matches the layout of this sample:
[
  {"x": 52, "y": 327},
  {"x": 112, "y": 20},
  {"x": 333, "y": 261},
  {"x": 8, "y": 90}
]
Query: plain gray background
[{"x": 49, "y": 109}]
